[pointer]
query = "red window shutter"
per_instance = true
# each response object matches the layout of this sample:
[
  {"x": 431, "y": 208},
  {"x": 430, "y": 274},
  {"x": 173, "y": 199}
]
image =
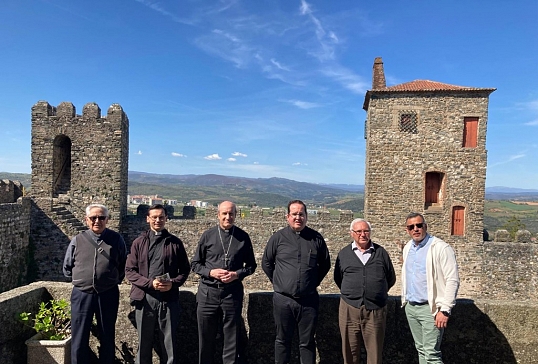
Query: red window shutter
[
  {"x": 458, "y": 220},
  {"x": 470, "y": 132}
]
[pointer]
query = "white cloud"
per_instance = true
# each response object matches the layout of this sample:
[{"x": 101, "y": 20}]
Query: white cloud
[
  {"x": 156, "y": 6},
  {"x": 302, "y": 104},
  {"x": 299, "y": 164},
  {"x": 174, "y": 154},
  {"x": 347, "y": 78},
  {"x": 256, "y": 163},
  {"x": 279, "y": 66},
  {"x": 139, "y": 152},
  {"x": 510, "y": 159},
  {"x": 238, "y": 154},
  {"x": 532, "y": 123},
  {"x": 231, "y": 159},
  {"x": 212, "y": 157}
]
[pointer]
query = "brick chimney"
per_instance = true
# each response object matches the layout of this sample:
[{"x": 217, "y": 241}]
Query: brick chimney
[{"x": 378, "y": 77}]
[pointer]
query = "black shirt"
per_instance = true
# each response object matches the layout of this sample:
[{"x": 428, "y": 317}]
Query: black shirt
[
  {"x": 296, "y": 262},
  {"x": 155, "y": 254},
  {"x": 212, "y": 248}
]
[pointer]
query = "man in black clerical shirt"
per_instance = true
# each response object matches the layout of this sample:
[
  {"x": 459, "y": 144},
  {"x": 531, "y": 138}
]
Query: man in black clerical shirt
[
  {"x": 296, "y": 260},
  {"x": 156, "y": 267},
  {"x": 223, "y": 258}
]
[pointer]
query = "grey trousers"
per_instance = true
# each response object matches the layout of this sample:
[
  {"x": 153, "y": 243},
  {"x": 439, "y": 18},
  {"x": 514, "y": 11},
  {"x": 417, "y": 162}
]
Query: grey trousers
[{"x": 153, "y": 315}]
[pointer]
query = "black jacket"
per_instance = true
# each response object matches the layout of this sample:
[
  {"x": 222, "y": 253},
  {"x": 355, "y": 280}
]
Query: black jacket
[{"x": 176, "y": 264}]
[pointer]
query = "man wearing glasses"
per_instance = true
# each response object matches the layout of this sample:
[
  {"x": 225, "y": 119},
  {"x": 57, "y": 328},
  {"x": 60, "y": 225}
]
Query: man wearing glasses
[
  {"x": 156, "y": 267},
  {"x": 95, "y": 260},
  {"x": 430, "y": 284},
  {"x": 296, "y": 260},
  {"x": 364, "y": 273}
]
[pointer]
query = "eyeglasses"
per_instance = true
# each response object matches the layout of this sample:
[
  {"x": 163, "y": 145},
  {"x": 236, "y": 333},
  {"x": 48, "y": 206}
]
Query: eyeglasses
[
  {"x": 157, "y": 218},
  {"x": 100, "y": 218},
  {"x": 412, "y": 226},
  {"x": 298, "y": 215},
  {"x": 361, "y": 231}
]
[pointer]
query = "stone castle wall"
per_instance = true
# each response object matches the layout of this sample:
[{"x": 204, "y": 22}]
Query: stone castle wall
[
  {"x": 479, "y": 331},
  {"x": 504, "y": 273},
  {"x": 14, "y": 243}
]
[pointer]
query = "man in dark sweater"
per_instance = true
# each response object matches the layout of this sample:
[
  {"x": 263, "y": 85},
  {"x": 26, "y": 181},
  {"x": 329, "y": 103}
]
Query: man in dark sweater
[
  {"x": 95, "y": 260},
  {"x": 364, "y": 274},
  {"x": 157, "y": 267},
  {"x": 296, "y": 260}
]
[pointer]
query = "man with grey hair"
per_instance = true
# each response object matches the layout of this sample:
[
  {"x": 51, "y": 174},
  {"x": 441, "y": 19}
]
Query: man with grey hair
[
  {"x": 430, "y": 283},
  {"x": 95, "y": 261},
  {"x": 364, "y": 273}
]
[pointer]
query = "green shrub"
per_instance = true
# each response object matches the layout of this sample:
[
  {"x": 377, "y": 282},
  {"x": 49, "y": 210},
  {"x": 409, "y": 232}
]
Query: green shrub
[{"x": 52, "y": 321}]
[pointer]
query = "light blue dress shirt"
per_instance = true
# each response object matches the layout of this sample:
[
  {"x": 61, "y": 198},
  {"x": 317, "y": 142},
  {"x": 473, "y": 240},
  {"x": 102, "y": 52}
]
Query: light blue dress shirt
[{"x": 415, "y": 271}]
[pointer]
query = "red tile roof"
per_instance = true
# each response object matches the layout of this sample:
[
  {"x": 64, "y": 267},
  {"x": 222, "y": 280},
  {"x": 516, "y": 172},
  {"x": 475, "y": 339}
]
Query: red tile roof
[
  {"x": 427, "y": 85},
  {"x": 421, "y": 86}
]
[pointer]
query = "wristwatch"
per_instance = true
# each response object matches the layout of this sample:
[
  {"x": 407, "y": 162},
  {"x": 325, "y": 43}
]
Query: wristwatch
[{"x": 447, "y": 314}]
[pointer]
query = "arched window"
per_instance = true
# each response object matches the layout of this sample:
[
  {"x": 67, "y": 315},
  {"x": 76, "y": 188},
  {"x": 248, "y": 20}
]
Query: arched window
[{"x": 61, "y": 165}]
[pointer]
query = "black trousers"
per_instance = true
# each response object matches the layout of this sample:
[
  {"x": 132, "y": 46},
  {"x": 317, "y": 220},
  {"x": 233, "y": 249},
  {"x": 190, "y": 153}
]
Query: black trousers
[
  {"x": 295, "y": 313},
  {"x": 214, "y": 305},
  {"x": 105, "y": 307},
  {"x": 152, "y": 314}
]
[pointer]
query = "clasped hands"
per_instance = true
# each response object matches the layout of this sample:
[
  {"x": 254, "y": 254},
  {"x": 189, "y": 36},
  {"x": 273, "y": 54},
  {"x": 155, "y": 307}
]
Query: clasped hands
[
  {"x": 223, "y": 275},
  {"x": 162, "y": 286}
]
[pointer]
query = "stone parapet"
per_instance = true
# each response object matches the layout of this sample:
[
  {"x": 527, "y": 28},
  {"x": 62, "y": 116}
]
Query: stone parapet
[{"x": 481, "y": 331}]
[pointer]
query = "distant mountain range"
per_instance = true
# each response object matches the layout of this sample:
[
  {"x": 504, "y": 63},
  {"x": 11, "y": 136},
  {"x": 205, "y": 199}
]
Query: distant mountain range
[{"x": 261, "y": 191}]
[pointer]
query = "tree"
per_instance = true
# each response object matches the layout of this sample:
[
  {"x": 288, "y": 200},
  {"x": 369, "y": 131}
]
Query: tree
[{"x": 513, "y": 224}]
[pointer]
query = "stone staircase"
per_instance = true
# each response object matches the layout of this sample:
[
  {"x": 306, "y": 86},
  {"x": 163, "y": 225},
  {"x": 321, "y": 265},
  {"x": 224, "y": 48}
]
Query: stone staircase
[{"x": 64, "y": 217}]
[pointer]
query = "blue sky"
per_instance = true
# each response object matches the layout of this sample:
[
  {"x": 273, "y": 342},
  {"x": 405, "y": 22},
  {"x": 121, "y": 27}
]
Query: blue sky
[{"x": 260, "y": 88}]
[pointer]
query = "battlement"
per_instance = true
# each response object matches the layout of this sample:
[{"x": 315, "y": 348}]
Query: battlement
[
  {"x": 10, "y": 191},
  {"x": 66, "y": 110}
]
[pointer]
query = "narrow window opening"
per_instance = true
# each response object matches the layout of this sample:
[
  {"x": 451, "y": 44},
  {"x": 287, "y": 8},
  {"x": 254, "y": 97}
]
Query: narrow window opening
[
  {"x": 433, "y": 193},
  {"x": 458, "y": 220}
]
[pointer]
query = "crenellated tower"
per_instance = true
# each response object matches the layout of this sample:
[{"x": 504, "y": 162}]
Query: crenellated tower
[{"x": 80, "y": 159}]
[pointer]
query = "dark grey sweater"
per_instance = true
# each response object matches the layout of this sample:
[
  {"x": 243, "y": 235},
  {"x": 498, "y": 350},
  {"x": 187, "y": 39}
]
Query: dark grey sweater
[
  {"x": 364, "y": 284},
  {"x": 96, "y": 267}
]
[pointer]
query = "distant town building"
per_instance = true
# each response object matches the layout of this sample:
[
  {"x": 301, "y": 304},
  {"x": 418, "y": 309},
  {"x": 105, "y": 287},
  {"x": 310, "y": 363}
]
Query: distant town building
[{"x": 197, "y": 203}]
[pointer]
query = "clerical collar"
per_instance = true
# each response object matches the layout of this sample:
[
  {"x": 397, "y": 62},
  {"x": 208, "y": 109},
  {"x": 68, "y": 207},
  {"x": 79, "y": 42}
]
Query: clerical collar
[{"x": 157, "y": 233}]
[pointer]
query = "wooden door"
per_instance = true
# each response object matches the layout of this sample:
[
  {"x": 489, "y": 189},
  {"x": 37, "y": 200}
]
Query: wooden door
[{"x": 458, "y": 220}]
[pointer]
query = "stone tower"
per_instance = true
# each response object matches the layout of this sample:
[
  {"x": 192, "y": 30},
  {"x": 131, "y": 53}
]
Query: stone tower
[
  {"x": 426, "y": 152},
  {"x": 80, "y": 159}
]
